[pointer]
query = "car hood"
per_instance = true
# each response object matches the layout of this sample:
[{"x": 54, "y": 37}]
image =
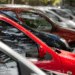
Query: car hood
[
  {"x": 68, "y": 61},
  {"x": 70, "y": 22}
]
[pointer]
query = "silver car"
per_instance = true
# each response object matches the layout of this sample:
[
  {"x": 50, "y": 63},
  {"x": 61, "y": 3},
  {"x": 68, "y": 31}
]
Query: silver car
[{"x": 63, "y": 19}]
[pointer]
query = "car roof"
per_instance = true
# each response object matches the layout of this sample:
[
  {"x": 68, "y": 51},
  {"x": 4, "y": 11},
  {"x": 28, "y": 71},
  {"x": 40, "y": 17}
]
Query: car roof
[{"x": 15, "y": 6}]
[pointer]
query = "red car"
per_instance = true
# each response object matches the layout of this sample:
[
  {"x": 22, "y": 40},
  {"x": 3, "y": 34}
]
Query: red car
[
  {"x": 15, "y": 64},
  {"x": 39, "y": 21},
  {"x": 27, "y": 44}
]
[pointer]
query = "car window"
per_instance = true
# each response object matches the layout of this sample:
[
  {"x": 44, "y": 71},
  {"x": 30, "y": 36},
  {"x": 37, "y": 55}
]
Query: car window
[
  {"x": 53, "y": 16},
  {"x": 17, "y": 40},
  {"x": 73, "y": 11},
  {"x": 62, "y": 13},
  {"x": 68, "y": 11},
  {"x": 36, "y": 21},
  {"x": 8, "y": 66},
  {"x": 12, "y": 13}
]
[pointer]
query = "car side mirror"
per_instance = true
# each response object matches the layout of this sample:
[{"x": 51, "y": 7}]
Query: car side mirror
[{"x": 42, "y": 52}]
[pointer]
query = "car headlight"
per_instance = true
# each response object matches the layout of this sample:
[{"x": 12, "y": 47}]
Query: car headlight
[{"x": 64, "y": 41}]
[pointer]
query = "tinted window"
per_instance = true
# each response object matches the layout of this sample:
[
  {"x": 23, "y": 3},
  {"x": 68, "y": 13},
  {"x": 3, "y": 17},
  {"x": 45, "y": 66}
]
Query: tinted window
[
  {"x": 62, "y": 13},
  {"x": 36, "y": 21},
  {"x": 7, "y": 65}
]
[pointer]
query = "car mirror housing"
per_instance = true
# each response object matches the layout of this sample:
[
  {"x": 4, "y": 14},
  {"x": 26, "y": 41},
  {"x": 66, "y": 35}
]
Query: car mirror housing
[{"x": 42, "y": 52}]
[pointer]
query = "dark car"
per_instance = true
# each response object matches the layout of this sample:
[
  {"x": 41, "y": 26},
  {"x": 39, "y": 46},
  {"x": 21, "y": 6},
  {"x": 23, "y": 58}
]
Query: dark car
[{"x": 50, "y": 39}]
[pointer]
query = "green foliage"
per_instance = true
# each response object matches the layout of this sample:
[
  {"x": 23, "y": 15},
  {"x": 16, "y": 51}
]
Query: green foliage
[
  {"x": 44, "y": 1},
  {"x": 2, "y": 2},
  {"x": 56, "y": 1}
]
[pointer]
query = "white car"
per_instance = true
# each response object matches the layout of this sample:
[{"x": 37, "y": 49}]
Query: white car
[{"x": 58, "y": 16}]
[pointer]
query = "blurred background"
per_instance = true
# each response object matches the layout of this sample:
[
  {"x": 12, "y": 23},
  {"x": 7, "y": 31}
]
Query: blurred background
[{"x": 40, "y": 2}]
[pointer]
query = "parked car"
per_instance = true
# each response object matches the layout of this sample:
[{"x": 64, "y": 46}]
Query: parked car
[
  {"x": 56, "y": 18},
  {"x": 29, "y": 16},
  {"x": 63, "y": 14},
  {"x": 45, "y": 57},
  {"x": 22, "y": 66},
  {"x": 50, "y": 39}
]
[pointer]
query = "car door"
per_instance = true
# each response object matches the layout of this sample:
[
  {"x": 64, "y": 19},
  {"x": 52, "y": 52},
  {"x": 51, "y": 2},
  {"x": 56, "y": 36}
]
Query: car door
[{"x": 30, "y": 46}]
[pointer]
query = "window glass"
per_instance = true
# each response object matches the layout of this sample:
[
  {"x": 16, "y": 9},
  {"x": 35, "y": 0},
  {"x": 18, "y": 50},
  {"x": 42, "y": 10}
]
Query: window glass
[
  {"x": 53, "y": 16},
  {"x": 12, "y": 13},
  {"x": 17, "y": 40},
  {"x": 73, "y": 11},
  {"x": 62, "y": 13},
  {"x": 68, "y": 11},
  {"x": 7, "y": 65},
  {"x": 36, "y": 21}
]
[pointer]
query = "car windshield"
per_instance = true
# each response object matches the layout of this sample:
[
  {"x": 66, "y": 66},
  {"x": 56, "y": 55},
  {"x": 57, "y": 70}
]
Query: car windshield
[{"x": 62, "y": 13}]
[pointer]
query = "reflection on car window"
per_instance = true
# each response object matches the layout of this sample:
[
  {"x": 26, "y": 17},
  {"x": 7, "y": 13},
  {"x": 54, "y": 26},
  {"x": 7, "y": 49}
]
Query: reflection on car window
[
  {"x": 62, "y": 13},
  {"x": 36, "y": 21},
  {"x": 12, "y": 13},
  {"x": 68, "y": 11},
  {"x": 7, "y": 65},
  {"x": 17, "y": 40},
  {"x": 53, "y": 16}
]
